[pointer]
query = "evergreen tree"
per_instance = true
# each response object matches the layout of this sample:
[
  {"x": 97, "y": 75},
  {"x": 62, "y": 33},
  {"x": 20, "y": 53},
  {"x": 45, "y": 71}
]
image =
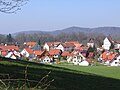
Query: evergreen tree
[
  {"x": 9, "y": 38},
  {"x": 112, "y": 46},
  {"x": 39, "y": 42},
  {"x": 90, "y": 49}
]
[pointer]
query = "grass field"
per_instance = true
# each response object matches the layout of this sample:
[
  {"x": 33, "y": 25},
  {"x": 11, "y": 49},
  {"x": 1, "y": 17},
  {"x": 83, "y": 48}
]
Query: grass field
[
  {"x": 66, "y": 77},
  {"x": 105, "y": 71}
]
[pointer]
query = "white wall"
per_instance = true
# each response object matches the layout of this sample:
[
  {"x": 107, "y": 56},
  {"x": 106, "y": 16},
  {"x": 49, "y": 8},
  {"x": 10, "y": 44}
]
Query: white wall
[
  {"x": 115, "y": 63},
  {"x": 90, "y": 44},
  {"x": 84, "y": 63},
  {"x": 46, "y": 47},
  {"x": 61, "y": 47},
  {"x": 106, "y": 44},
  {"x": 46, "y": 60},
  {"x": 25, "y": 53}
]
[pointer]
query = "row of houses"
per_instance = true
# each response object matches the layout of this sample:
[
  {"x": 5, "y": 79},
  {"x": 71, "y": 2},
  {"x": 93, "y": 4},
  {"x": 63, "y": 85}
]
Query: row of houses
[
  {"x": 71, "y": 50},
  {"x": 52, "y": 52},
  {"x": 109, "y": 58}
]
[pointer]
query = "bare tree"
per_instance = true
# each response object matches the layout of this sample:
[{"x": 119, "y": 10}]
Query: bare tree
[{"x": 11, "y": 6}]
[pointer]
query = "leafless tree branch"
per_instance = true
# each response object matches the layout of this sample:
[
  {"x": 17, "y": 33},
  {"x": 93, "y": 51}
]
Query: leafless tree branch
[{"x": 11, "y": 6}]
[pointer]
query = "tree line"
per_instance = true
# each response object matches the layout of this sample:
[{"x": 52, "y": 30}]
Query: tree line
[{"x": 62, "y": 37}]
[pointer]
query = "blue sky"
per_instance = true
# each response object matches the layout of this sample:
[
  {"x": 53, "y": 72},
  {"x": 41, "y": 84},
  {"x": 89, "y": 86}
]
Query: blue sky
[{"x": 47, "y": 15}]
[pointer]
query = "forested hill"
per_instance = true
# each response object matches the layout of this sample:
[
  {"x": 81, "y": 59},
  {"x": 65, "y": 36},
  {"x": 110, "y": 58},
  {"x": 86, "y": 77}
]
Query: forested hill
[{"x": 104, "y": 30}]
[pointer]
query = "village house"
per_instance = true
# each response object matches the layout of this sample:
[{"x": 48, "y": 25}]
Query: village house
[
  {"x": 66, "y": 47},
  {"x": 4, "y": 50},
  {"x": 32, "y": 45},
  {"x": 91, "y": 42},
  {"x": 51, "y": 45},
  {"x": 115, "y": 62},
  {"x": 107, "y": 43},
  {"x": 83, "y": 50},
  {"x": 77, "y": 59},
  {"x": 43, "y": 56},
  {"x": 13, "y": 55},
  {"x": 27, "y": 52},
  {"x": 56, "y": 53},
  {"x": 76, "y": 44},
  {"x": 65, "y": 55},
  {"x": 110, "y": 58}
]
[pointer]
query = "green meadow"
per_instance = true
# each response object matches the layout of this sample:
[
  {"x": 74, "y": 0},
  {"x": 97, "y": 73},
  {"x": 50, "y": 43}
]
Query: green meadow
[{"x": 66, "y": 77}]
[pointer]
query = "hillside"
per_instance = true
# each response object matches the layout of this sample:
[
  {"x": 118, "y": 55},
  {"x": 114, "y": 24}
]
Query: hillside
[
  {"x": 104, "y": 30},
  {"x": 65, "y": 78}
]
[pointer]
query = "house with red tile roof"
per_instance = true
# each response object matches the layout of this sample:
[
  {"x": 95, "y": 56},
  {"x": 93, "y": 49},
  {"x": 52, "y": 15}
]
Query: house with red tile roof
[
  {"x": 107, "y": 57},
  {"x": 27, "y": 52},
  {"x": 43, "y": 56},
  {"x": 115, "y": 62},
  {"x": 56, "y": 53},
  {"x": 13, "y": 55},
  {"x": 50, "y": 45},
  {"x": 65, "y": 55},
  {"x": 111, "y": 58},
  {"x": 83, "y": 50},
  {"x": 5, "y": 49},
  {"x": 32, "y": 45},
  {"x": 9, "y": 48},
  {"x": 76, "y": 58},
  {"x": 76, "y": 44},
  {"x": 66, "y": 46}
]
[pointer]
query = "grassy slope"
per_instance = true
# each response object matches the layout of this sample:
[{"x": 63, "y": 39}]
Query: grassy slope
[
  {"x": 106, "y": 71},
  {"x": 66, "y": 77}
]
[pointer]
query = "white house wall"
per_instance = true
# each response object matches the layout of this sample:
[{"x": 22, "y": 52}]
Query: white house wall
[
  {"x": 61, "y": 47},
  {"x": 115, "y": 63},
  {"x": 46, "y": 60},
  {"x": 106, "y": 44},
  {"x": 84, "y": 63},
  {"x": 46, "y": 47},
  {"x": 25, "y": 53}
]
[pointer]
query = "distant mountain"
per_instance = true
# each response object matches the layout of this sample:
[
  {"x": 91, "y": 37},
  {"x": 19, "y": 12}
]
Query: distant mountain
[{"x": 104, "y": 30}]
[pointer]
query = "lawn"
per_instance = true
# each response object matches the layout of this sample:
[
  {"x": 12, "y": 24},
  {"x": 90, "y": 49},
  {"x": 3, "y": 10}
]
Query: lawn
[
  {"x": 66, "y": 77},
  {"x": 106, "y": 71}
]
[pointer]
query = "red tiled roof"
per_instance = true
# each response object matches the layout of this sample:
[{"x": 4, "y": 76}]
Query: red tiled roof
[
  {"x": 72, "y": 54},
  {"x": 75, "y": 43},
  {"x": 67, "y": 45},
  {"x": 7, "y": 48},
  {"x": 30, "y": 44},
  {"x": 54, "y": 51},
  {"x": 104, "y": 56},
  {"x": 29, "y": 50},
  {"x": 53, "y": 43},
  {"x": 111, "y": 56},
  {"x": 39, "y": 53},
  {"x": 108, "y": 56},
  {"x": 65, "y": 53}
]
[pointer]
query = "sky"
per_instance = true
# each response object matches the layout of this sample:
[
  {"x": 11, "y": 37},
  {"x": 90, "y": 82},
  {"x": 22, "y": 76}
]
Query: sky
[{"x": 49, "y": 15}]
